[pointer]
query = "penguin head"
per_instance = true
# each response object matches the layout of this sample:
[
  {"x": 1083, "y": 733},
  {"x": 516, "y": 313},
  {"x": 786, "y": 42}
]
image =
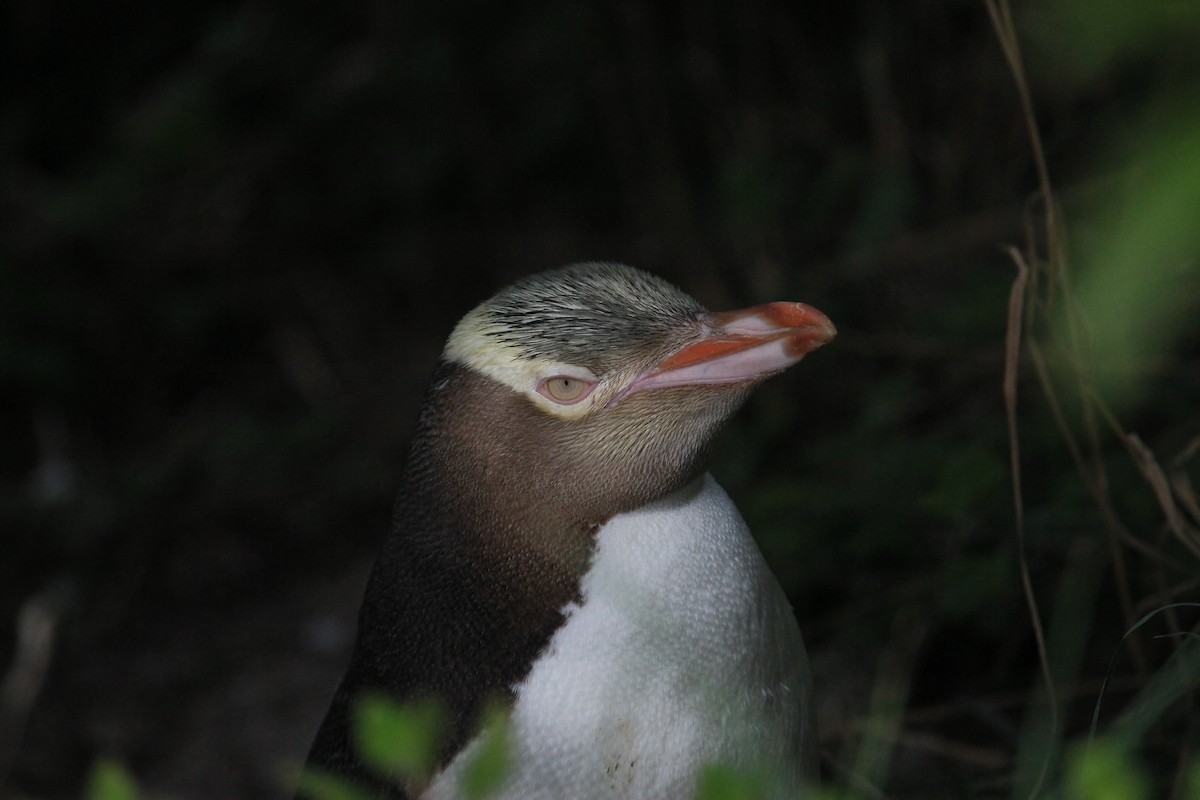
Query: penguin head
[{"x": 606, "y": 384}]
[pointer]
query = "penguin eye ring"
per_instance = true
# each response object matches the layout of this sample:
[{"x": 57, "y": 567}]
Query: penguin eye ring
[{"x": 565, "y": 389}]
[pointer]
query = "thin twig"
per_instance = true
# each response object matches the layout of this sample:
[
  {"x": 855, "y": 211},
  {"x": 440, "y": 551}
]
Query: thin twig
[
  {"x": 1006, "y": 31},
  {"x": 1113, "y": 527},
  {"x": 1182, "y": 484},
  {"x": 1057, "y": 281},
  {"x": 1012, "y": 355},
  {"x": 1154, "y": 475},
  {"x": 36, "y": 629}
]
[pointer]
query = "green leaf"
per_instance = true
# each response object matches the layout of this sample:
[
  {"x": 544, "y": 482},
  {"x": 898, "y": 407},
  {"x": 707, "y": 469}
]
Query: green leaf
[
  {"x": 1105, "y": 772},
  {"x": 318, "y": 785},
  {"x": 109, "y": 780},
  {"x": 1193, "y": 782},
  {"x": 400, "y": 739},
  {"x": 488, "y": 768},
  {"x": 1105, "y": 34},
  {"x": 1140, "y": 272},
  {"x": 721, "y": 782}
]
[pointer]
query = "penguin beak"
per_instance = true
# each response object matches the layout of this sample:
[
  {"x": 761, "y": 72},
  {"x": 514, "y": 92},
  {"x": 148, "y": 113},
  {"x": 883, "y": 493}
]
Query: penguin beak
[{"x": 741, "y": 346}]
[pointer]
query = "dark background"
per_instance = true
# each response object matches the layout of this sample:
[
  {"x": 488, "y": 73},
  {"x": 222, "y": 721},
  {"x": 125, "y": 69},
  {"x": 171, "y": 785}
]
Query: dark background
[{"x": 234, "y": 237}]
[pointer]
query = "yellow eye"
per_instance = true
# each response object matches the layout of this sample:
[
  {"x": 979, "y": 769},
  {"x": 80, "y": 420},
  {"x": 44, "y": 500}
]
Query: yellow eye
[{"x": 565, "y": 389}]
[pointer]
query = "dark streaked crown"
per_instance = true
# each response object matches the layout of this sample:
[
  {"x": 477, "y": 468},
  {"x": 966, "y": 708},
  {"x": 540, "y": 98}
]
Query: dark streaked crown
[{"x": 588, "y": 314}]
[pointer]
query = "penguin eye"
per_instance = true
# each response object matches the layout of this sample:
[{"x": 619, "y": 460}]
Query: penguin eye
[{"x": 565, "y": 389}]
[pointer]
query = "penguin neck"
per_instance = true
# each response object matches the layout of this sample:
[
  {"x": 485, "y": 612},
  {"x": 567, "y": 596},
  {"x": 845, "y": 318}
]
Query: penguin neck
[
  {"x": 494, "y": 531},
  {"x": 483, "y": 490},
  {"x": 483, "y": 558}
]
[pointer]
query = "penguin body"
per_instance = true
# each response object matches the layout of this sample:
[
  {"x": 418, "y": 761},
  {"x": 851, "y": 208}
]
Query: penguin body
[
  {"x": 681, "y": 652},
  {"x": 557, "y": 545}
]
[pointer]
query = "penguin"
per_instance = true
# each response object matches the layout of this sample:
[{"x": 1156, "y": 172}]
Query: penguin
[{"x": 559, "y": 547}]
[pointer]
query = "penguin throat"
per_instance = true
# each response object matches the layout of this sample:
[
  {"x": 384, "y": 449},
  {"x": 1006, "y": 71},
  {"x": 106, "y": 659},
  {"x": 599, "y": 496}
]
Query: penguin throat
[{"x": 521, "y": 494}]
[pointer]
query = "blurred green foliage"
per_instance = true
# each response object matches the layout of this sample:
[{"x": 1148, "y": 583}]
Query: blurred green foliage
[
  {"x": 1106, "y": 772},
  {"x": 316, "y": 785},
  {"x": 719, "y": 782},
  {"x": 109, "y": 780},
  {"x": 402, "y": 741},
  {"x": 491, "y": 762},
  {"x": 1141, "y": 286},
  {"x": 399, "y": 739},
  {"x": 1136, "y": 249},
  {"x": 1091, "y": 39}
]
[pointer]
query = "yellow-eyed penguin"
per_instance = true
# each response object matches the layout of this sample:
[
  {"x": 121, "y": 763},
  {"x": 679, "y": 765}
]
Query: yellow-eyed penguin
[{"x": 558, "y": 544}]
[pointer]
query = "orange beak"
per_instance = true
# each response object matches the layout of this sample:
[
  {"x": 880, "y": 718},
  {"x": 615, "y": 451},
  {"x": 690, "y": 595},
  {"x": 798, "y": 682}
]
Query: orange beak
[{"x": 739, "y": 346}]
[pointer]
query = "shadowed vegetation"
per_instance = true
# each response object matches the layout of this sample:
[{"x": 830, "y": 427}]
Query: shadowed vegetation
[{"x": 233, "y": 239}]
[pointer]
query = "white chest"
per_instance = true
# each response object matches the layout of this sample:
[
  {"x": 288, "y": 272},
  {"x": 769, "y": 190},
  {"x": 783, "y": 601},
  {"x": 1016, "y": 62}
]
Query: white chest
[{"x": 683, "y": 652}]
